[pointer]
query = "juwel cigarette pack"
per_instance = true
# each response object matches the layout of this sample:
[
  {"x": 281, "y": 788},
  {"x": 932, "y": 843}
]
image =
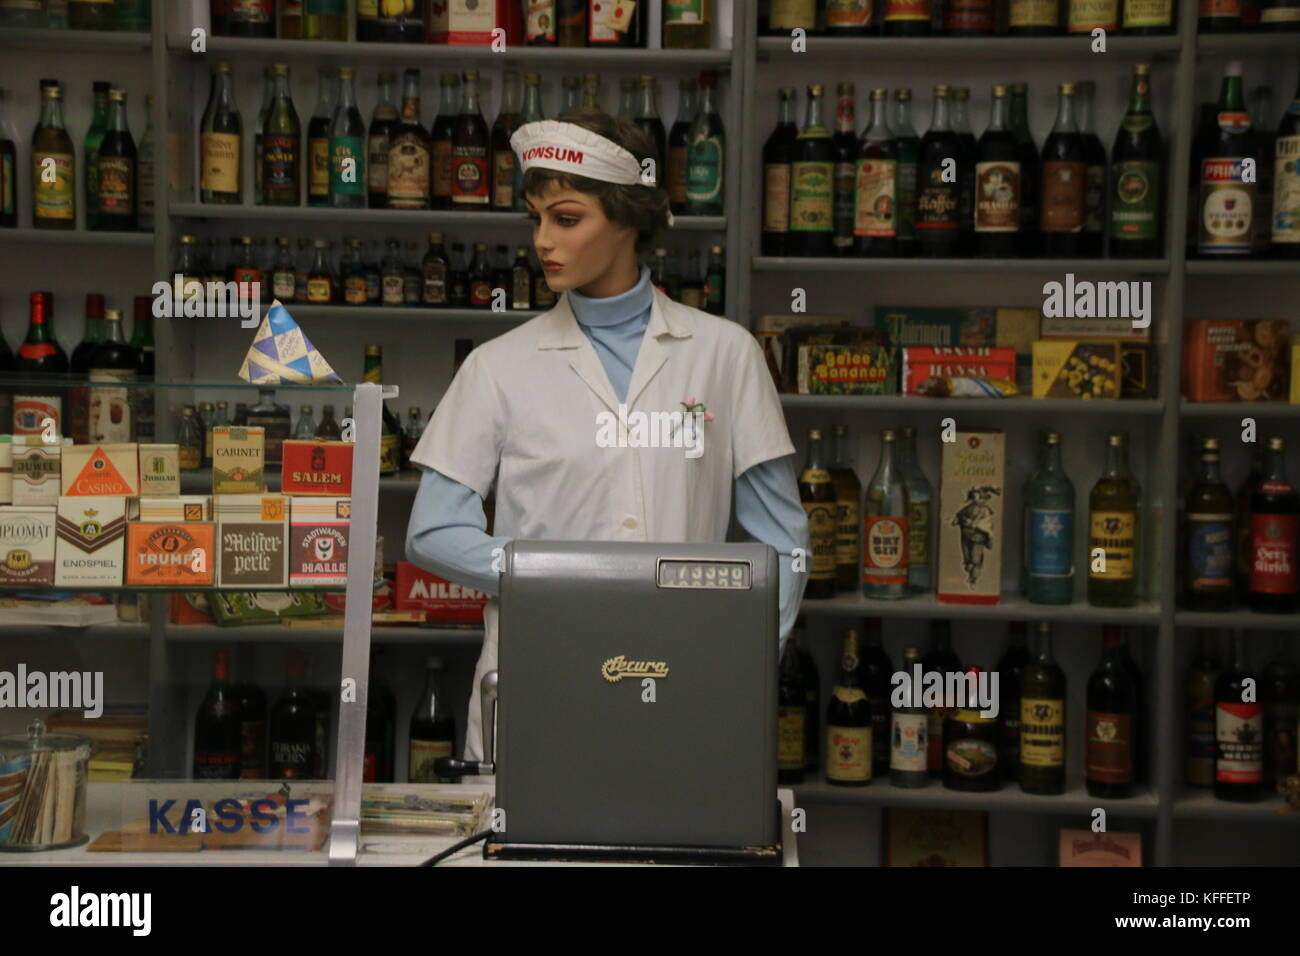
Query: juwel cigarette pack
[
  {"x": 252, "y": 532},
  {"x": 176, "y": 508},
  {"x": 318, "y": 541},
  {"x": 160, "y": 470},
  {"x": 170, "y": 554},
  {"x": 26, "y": 545},
  {"x": 36, "y": 472},
  {"x": 238, "y": 458},
  {"x": 316, "y": 468},
  {"x": 102, "y": 469},
  {"x": 971, "y": 504},
  {"x": 91, "y": 543}
]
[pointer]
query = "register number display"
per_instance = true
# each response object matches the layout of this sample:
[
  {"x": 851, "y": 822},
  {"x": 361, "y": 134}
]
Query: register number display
[{"x": 722, "y": 575}]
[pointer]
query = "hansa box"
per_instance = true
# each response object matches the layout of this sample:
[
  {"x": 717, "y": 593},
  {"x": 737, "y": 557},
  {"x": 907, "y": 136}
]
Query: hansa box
[
  {"x": 318, "y": 541},
  {"x": 316, "y": 468},
  {"x": 445, "y": 601},
  {"x": 238, "y": 459},
  {"x": 36, "y": 473},
  {"x": 971, "y": 505},
  {"x": 26, "y": 545},
  {"x": 176, "y": 508},
  {"x": 91, "y": 545},
  {"x": 102, "y": 469},
  {"x": 171, "y": 554},
  {"x": 160, "y": 470},
  {"x": 252, "y": 532}
]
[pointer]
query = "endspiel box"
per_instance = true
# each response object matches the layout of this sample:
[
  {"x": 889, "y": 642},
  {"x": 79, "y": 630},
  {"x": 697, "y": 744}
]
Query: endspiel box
[
  {"x": 972, "y": 502},
  {"x": 252, "y": 533},
  {"x": 91, "y": 545},
  {"x": 170, "y": 554},
  {"x": 26, "y": 545},
  {"x": 318, "y": 541}
]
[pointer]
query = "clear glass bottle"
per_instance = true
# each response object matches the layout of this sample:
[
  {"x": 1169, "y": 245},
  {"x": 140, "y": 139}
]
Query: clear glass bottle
[
  {"x": 920, "y": 498},
  {"x": 908, "y": 730},
  {"x": 885, "y": 540},
  {"x": 284, "y": 274},
  {"x": 392, "y": 275},
  {"x": 304, "y": 428},
  {"x": 1047, "y": 557}
]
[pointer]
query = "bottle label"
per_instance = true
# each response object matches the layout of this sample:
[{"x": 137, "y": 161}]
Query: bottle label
[
  {"x": 997, "y": 197},
  {"x": 1239, "y": 734},
  {"x": 1209, "y": 552},
  {"x": 790, "y": 737},
  {"x": 441, "y": 168},
  {"x": 1042, "y": 732},
  {"x": 1094, "y": 198},
  {"x": 1200, "y": 725},
  {"x": 885, "y": 550},
  {"x": 1220, "y": 8},
  {"x": 1063, "y": 195},
  {"x": 390, "y": 453},
  {"x": 252, "y": 11},
  {"x": 318, "y": 152},
  {"x": 1286, "y": 187},
  {"x": 282, "y": 284},
  {"x": 1136, "y": 203},
  {"x": 847, "y": 543},
  {"x": 541, "y": 20},
  {"x": 906, "y": 200},
  {"x": 1089, "y": 15},
  {"x": 971, "y": 757},
  {"x": 503, "y": 179},
  {"x": 704, "y": 170},
  {"x": 812, "y": 188},
  {"x": 422, "y": 755},
  {"x": 908, "y": 746},
  {"x": 1051, "y": 543},
  {"x": 907, "y": 10},
  {"x": 377, "y": 163},
  {"x": 875, "y": 201},
  {"x": 918, "y": 533},
  {"x": 220, "y": 170},
  {"x": 216, "y": 764},
  {"x": 1227, "y": 207},
  {"x": 847, "y": 14},
  {"x": 821, "y": 533},
  {"x": 344, "y": 148},
  {"x": 408, "y": 175},
  {"x": 1115, "y": 532},
  {"x": 1148, "y": 13},
  {"x": 848, "y": 753},
  {"x": 678, "y": 162},
  {"x": 293, "y": 759},
  {"x": 318, "y": 291},
  {"x": 54, "y": 200},
  {"x": 435, "y": 287},
  {"x": 1108, "y": 753},
  {"x": 1273, "y": 554},
  {"x": 354, "y": 290},
  {"x": 1033, "y": 13},
  {"x": 279, "y": 164},
  {"x": 683, "y": 12},
  {"x": 776, "y": 197},
  {"x": 392, "y": 289},
  {"x": 968, "y": 16},
  {"x": 788, "y": 14},
  {"x": 936, "y": 201},
  {"x": 116, "y": 185},
  {"x": 469, "y": 175}
]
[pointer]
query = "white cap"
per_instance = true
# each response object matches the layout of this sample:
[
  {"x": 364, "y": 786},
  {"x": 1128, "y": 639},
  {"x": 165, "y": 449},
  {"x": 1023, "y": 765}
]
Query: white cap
[{"x": 1233, "y": 68}]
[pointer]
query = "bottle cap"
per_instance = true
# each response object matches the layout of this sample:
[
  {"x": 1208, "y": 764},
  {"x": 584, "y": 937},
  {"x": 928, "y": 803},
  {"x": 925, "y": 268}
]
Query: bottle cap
[{"x": 1233, "y": 68}]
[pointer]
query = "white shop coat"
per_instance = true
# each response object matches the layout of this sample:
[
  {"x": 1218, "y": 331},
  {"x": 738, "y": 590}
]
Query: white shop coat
[{"x": 526, "y": 409}]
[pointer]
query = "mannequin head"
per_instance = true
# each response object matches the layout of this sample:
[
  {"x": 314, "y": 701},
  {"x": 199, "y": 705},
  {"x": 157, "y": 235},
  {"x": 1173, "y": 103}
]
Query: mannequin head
[{"x": 591, "y": 232}]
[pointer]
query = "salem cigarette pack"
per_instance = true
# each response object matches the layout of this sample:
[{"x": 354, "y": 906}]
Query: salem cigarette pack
[
  {"x": 971, "y": 505},
  {"x": 1236, "y": 360},
  {"x": 170, "y": 554},
  {"x": 26, "y": 545},
  {"x": 1071, "y": 369},
  {"x": 316, "y": 468},
  {"x": 102, "y": 469},
  {"x": 91, "y": 545},
  {"x": 318, "y": 541},
  {"x": 445, "y": 601},
  {"x": 238, "y": 459},
  {"x": 160, "y": 470},
  {"x": 176, "y": 508},
  {"x": 252, "y": 532},
  {"x": 36, "y": 474}
]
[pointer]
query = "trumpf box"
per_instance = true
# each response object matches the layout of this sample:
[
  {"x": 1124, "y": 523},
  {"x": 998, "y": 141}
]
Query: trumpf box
[
  {"x": 318, "y": 541},
  {"x": 252, "y": 531},
  {"x": 26, "y": 545},
  {"x": 971, "y": 505},
  {"x": 170, "y": 554},
  {"x": 91, "y": 542}
]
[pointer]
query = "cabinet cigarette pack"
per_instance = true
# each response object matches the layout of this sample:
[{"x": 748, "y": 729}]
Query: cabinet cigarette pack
[
  {"x": 26, "y": 545},
  {"x": 91, "y": 541},
  {"x": 977, "y": 326},
  {"x": 176, "y": 508},
  {"x": 862, "y": 369},
  {"x": 318, "y": 541},
  {"x": 160, "y": 470},
  {"x": 36, "y": 474},
  {"x": 170, "y": 554},
  {"x": 1067, "y": 368},
  {"x": 6, "y": 469},
  {"x": 1236, "y": 360},
  {"x": 102, "y": 469},
  {"x": 971, "y": 505},
  {"x": 959, "y": 371},
  {"x": 238, "y": 459},
  {"x": 317, "y": 468},
  {"x": 253, "y": 534},
  {"x": 917, "y": 837},
  {"x": 240, "y": 608},
  {"x": 445, "y": 601},
  {"x": 1112, "y": 848}
]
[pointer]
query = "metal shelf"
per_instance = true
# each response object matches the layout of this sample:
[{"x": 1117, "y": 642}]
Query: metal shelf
[
  {"x": 1238, "y": 410},
  {"x": 1012, "y": 608},
  {"x": 1111, "y": 267},
  {"x": 40, "y": 40},
  {"x": 1200, "y": 803},
  {"x": 407, "y": 313},
  {"x": 1242, "y": 618},
  {"x": 1145, "y": 407},
  {"x": 199, "y": 482},
  {"x": 78, "y": 237},
  {"x": 273, "y": 633},
  {"x": 965, "y": 49},
  {"x": 94, "y": 632},
  {"x": 1280, "y": 268},
  {"x": 1075, "y": 800},
  {"x": 1248, "y": 44}
]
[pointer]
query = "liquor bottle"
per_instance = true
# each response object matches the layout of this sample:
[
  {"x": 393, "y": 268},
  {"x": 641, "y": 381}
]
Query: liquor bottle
[
  {"x": 844, "y": 146},
  {"x": 54, "y": 177},
  {"x": 886, "y": 544},
  {"x": 92, "y": 334},
  {"x": 1274, "y": 523},
  {"x": 971, "y": 761},
  {"x": 328, "y": 429},
  {"x": 283, "y": 272},
  {"x": 1263, "y": 144},
  {"x": 207, "y": 417},
  {"x": 502, "y": 274},
  {"x": 907, "y": 18},
  {"x": 532, "y": 113},
  {"x": 92, "y": 14},
  {"x": 1199, "y": 711},
  {"x": 1281, "y": 694},
  {"x": 938, "y": 198},
  {"x": 347, "y": 148},
  {"x": 189, "y": 439},
  {"x": 378, "y": 136},
  {"x": 687, "y": 24},
  {"x": 1137, "y": 189},
  {"x": 114, "y": 362},
  {"x": 251, "y": 703},
  {"x": 679, "y": 143},
  {"x": 1042, "y": 720},
  {"x": 1286, "y": 183},
  {"x": 812, "y": 184},
  {"x": 320, "y": 277},
  {"x": 390, "y": 440},
  {"x": 294, "y": 754},
  {"x": 1094, "y": 190},
  {"x": 792, "y": 705},
  {"x": 607, "y": 28},
  {"x": 392, "y": 275},
  {"x": 875, "y": 185},
  {"x": 432, "y": 727},
  {"x": 540, "y": 23},
  {"x": 480, "y": 278},
  {"x": 1111, "y": 723},
  {"x": 966, "y": 155},
  {"x": 908, "y": 747},
  {"x": 252, "y": 18},
  {"x": 409, "y": 152},
  {"x": 90, "y": 146},
  {"x": 1227, "y": 200},
  {"x": 1113, "y": 529},
  {"x": 997, "y": 184},
  {"x": 381, "y": 727},
  {"x": 1219, "y": 16},
  {"x": 1084, "y": 16},
  {"x": 715, "y": 283},
  {"x": 591, "y": 91},
  {"x": 1210, "y": 540},
  {"x": 1064, "y": 183},
  {"x": 627, "y": 97},
  {"x": 706, "y": 153},
  {"x": 147, "y": 169},
  {"x": 433, "y": 269},
  {"x": 411, "y": 432},
  {"x": 941, "y": 658},
  {"x": 318, "y": 137},
  {"x": 909, "y": 148},
  {"x": 1011, "y": 671},
  {"x": 302, "y": 265},
  {"x": 304, "y": 428},
  {"x": 571, "y": 23},
  {"x": 787, "y": 15},
  {"x": 469, "y": 151},
  {"x": 458, "y": 294},
  {"x": 142, "y": 344},
  {"x": 1148, "y": 16},
  {"x": 877, "y": 676},
  {"x": 8, "y": 167},
  {"x": 1030, "y": 171},
  {"x": 268, "y": 93},
  {"x": 1238, "y": 730},
  {"x": 353, "y": 274},
  {"x": 291, "y": 19},
  {"x": 778, "y": 154},
  {"x": 920, "y": 497},
  {"x": 325, "y": 20},
  {"x": 1241, "y": 520},
  {"x": 1034, "y": 18},
  {"x": 848, "y": 527},
  {"x": 1047, "y": 566},
  {"x": 818, "y": 494},
  {"x": 521, "y": 280},
  {"x": 849, "y": 754},
  {"x": 411, "y": 278},
  {"x": 220, "y": 153},
  {"x": 217, "y": 742},
  {"x": 40, "y": 351},
  {"x": 502, "y": 165},
  {"x": 274, "y": 419}
]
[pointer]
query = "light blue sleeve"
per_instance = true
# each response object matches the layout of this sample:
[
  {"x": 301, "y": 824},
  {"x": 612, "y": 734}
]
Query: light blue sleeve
[
  {"x": 768, "y": 508},
  {"x": 447, "y": 533}
]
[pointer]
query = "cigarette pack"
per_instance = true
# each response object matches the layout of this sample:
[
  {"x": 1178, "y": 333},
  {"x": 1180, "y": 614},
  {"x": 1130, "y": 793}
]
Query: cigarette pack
[
  {"x": 102, "y": 470},
  {"x": 26, "y": 545},
  {"x": 236, "y": 608},
  {"x": 253, "y": 533},
  {"x": 36, "y": 474},
  {"x": 1236, "y": 360},
  {"x": 32, "y": 411},
  {"x": 463, "y": 22},
  {"x": 238, "y": 459},
  {"x": 445, "y": 601},
  {"x": 861, "y": 369},
  {"x": 1072, "y": 369},
  {"x": 160, "y": 470},
  {"x": 6, "y": 469},
  {"x": 318, "y": 541},
  {"x": 170, "y": 554},
  {"x": 971, "y": 505},
  {"x": 176, "y": 508},
  {"x": 317, "y": 468},
  {"x": 959, "y": 371},
  {"x": 91, "y": 545}
]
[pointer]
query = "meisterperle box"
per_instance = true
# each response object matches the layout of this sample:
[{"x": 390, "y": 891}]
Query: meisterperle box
[
  {"x": 102, "y": 469},
  {"x": 176, "y": 508},
  {"x": 169, "y": 554},
  {"x": 972, "y": 501},
  {"x": 36, "y": 473},
  {"x": 91, "y": 541},
  {"x": 316, "y": 468},
  {"x": 26, "y": 545},
  {"x": 238, "y": 459},
  {"x": 160, "y": 470},
  {"x": 252, "y": 538},
  {"x": 318, "y": 541}
]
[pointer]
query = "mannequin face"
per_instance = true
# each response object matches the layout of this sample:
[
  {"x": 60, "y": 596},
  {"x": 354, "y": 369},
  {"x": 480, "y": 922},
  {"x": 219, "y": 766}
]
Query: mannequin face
[{"x": 578, "y": 246}]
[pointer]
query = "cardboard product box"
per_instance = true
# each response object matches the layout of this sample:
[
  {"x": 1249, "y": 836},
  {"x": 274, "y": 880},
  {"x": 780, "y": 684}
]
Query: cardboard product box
[
  {"x": 160, "y": 470},
  {"x": 240, "y": 608},
  {"x": 1070, "y": 369},
  {"x": 27, "y": 545},
  {"x": 1092, "y": 328},
  {"x": 1111, "y": 848},
  {"x": 972, "y": 501},
  {"x": 318, "y": 541},
  {"x": 1236, "y": 360},
  {"x": 91, "y": 545},
  {"x": 36, "y": 469},
  {"x": 862, "y": 369},
  {"x": 170, "y": 554},
  {"x": 970, "y": 326},
  {"x": 252, "y": 533},
  {"x": 771, "y": 330},
  {"x": 176, "y": 508},
  {"x": 317, "y": 468},
  {"x": 463, "y": 22},
  {"x": 1136, "y": 351},
  {"x": 6, "y": 469},
  {"x": 238, "y": 459},
  {"x": 1295, "y": 390},
  {"x": 189, "y": 607},
  {"x": 99, "y": 470},
  {"x": 31, "y": 412},
  {"x": 445, "y": 601},
  {"x": 961, "y": 371}
]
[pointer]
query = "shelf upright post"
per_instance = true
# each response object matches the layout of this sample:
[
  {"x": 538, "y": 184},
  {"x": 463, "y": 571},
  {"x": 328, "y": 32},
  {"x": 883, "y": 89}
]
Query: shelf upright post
[
  {"x": 741, "y": 237},
  {"x": 736, "y": 211}
]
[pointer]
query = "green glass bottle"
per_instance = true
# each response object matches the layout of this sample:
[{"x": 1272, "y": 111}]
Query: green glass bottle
[
  {"x": 706, "y": 153},
  {"x": 347, "y": 148},
  {"x": 1136, "y": 187},
  {"x": 1113, "y": 530},
  {"x": 848, "y": 722},
  {"x": 1042, "y": 720},
  {"x": 1047, "y": 562},
  {"x": 94, "y": 137},
  {"x": 909, "y": 150}
]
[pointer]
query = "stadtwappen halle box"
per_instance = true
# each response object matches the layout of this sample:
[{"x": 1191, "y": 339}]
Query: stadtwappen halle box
[{"x": 318, "y": 541}]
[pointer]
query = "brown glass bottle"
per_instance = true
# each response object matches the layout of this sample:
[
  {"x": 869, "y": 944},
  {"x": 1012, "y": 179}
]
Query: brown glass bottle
[
  {"x": 817, "y": 492},
  {"x": 1113, "y": 523},
  {"x": 502, "y": 156},
  {"x": 1209, "y": 536},
  {"x": 778, "y": 154},
  {"x": 970, "y": 748},
  {"x": 849, "y": 760},
  {"x": 1042, "y": 720},
  {"x": 848, "y": 511},
  {"x": 117, "y": 188},
  {"x": 1064, "y": 181},
  {"x": 433, "y": 271},
  {"x": 442, "y": 136},
  {"x": 1198, "y": 711},
  {"x": 938, "y": 194},
  {"x": 997, "y": 184},
  {"x": 1111, "y": 723},
  {"x": 791, "y": 717},
  {"x": 1274, "y": 527}
]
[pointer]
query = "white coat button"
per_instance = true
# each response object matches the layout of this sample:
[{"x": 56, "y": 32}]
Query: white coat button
[{"x": 629, "y": 522}]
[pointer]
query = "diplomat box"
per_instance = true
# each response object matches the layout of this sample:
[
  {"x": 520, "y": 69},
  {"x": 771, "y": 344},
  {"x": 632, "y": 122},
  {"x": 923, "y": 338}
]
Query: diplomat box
[
  {"x": 972, "y": 501},
  {"x": 252, "y": 536},
  {"x": 26, "y": 545},
  {"x": 318, "y": 541},
  {"x": 91, "y": 544}
]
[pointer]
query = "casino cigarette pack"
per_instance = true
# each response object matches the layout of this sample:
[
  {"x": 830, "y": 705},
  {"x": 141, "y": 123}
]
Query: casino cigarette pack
[
  {"x": 1236, "y": 360},
  {"x": 252, "y": 532},
  {"x": 318, "y": 541},
  {"x": 176, "y": 508},
  {"x": 102, "y": 469},
  {"x": 861, "y": 369},
  {"x": 170, "y": 554},
  {"x": 160, "y": 470},
  {"x": 36, "y": 474},
  {"x": 91, "y": 541},
  {"x": 1071, "y": 369},
  {"x": 238, "y": 459},
  {"x": 26, "y": 545},
  {"x": 972, "y": 501},
  {"x": 316, "y": 468}
]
